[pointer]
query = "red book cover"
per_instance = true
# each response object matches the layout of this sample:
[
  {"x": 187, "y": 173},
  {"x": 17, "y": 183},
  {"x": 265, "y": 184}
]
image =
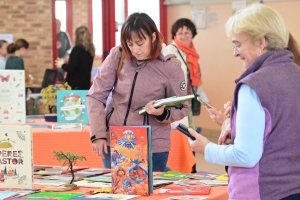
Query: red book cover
[
  {"x": 131, "y": 160},
  {"x": 186, "y": 190}
]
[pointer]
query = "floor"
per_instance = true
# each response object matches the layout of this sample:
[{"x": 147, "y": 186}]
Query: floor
[{"x": 202, "y": 165}]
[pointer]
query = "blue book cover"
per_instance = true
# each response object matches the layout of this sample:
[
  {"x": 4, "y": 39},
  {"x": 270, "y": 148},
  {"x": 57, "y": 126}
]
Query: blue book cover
[{"x": 71, "y": 106}]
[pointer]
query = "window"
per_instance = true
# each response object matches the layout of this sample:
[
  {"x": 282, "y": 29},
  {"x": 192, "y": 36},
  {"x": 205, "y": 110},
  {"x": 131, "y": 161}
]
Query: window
[{"x": 60, "y": 13}]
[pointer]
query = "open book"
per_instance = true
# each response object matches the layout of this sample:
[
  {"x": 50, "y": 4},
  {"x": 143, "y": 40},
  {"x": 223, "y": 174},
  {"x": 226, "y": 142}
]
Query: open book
[{"x": 169, "y": 102}]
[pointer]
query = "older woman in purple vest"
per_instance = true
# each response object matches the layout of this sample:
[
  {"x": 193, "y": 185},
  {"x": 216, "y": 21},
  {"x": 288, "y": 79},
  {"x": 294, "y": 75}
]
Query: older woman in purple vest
[{"x": 262, "y": 152}]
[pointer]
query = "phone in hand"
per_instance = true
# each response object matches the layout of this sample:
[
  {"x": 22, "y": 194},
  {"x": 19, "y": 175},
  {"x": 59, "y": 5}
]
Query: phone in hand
[
  {"x": 184, "y": 129},
  {"x": 204, "y": 103}
]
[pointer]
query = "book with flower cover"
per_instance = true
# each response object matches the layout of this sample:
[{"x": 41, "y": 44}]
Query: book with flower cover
[
  {"x": 131, "y": 160},
  {"x": 71, "y": 106},
  {"x": 16, "y": 162},
  {"x": 12, "y": 97}
]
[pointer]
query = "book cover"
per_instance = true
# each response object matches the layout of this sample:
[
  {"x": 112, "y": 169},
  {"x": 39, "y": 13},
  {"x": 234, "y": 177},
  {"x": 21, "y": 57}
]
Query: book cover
[
  {"x": 20, "y": 192},
  {"x": 6, "y": 195},
  {"x": 67, "y": 127},
  {"x": 169, "y": 102},
  {"x": 202, "y": 175},
  {"x": 85, "y": 183},
  {"x": 58, "y": 195},
  {"x": 186, "y": 197},
  {"x": 12, "y": 97},
  {"x": 71, "y": 106},
  {"x": 103, "y": 196},
  {"x": 184, "y": 190},
  {"x": 131, "y": 160},
  {"x": 105, "y": 179},
  {"x": 171, "y": 175},
  {"x": 16, "y": 162}
]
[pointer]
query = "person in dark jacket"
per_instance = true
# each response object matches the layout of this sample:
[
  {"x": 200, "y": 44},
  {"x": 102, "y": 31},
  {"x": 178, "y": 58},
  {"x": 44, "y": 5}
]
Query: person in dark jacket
[
  {"x": 18, "y": 50},
  {"x": 81, "y": 60}
]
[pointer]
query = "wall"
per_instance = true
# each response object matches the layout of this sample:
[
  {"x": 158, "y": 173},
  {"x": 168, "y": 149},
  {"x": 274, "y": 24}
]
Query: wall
[
  {"x": 219, "y": 67},
  {"x": 31, "y": 20}
]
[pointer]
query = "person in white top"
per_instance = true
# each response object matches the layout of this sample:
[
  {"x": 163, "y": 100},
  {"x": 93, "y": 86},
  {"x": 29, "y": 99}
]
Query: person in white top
[{"x": 3, "y": 53}]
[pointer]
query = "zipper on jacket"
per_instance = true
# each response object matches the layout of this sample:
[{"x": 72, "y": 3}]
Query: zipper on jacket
[{"x": 130, "y": 98}]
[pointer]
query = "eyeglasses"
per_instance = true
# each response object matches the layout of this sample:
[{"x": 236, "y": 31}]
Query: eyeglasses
[{"x": 236, "y": 48}]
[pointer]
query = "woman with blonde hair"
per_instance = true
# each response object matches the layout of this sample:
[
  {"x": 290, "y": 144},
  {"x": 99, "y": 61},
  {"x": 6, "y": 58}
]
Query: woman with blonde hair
[
  {"x": 262, "y": 151},
  {"x": 81, "y": 61}
]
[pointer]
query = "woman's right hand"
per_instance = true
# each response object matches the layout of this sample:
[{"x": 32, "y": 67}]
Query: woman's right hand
[
  {"x": 225, "y": 137},
  {"x": 217, "y": 115},
  {"x": 98, "y": 146}
]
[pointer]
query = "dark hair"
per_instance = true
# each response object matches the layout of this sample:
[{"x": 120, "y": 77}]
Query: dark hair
[
  {"x": 17, "y": 45},
  {"x": 180, "y": 23},
  {"x": 294, "y": 48},
  {"x": 141, "y": 25},
  {"x": 2, "y": 42},
  {"x": 84, "y": 38}
]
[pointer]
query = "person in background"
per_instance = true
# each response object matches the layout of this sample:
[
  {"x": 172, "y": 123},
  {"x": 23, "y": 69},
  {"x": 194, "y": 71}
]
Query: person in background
[
  {"x": 63, "y": 41},
  {"x": 3, "y": 53},
  {"x": 264, "y": 143},
  {"x": 183, "y": 31},
  {"x": 18, "y": 50},
  {"x": 81, "y": 60},
  {"x": 150, "y": 72}
]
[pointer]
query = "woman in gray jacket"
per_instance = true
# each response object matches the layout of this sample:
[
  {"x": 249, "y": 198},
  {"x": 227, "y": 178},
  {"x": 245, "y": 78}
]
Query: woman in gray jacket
[{"x": 149, "y": 73}]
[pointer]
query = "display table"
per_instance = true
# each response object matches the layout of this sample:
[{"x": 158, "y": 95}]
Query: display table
[{"x": 45, "y": 141}]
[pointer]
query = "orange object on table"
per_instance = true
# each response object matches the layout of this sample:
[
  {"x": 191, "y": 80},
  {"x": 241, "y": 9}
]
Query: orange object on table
[{"x": 45, "y": 141}]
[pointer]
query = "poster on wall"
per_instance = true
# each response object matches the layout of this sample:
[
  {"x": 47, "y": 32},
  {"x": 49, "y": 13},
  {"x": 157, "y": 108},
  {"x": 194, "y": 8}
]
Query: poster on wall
[
  {"x": 12, "y": 97},
  {"x": 7, "y": 37},
  {"x": 199, "y": 17},
  {"x": 71, "y": 106}
]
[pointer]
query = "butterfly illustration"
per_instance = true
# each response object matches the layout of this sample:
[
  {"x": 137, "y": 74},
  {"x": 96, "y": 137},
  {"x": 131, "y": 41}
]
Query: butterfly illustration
[{"x": 3, "y": 78}]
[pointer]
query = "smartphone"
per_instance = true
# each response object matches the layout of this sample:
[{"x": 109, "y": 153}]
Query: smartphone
[
  {"x": 204, "y": 103},
  {"x": 184, "y": 129}
]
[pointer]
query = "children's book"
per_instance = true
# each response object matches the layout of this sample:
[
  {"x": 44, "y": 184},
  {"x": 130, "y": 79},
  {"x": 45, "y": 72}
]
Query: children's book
[
  {"x": 186, "y": 197},
  {"x": 103, "y": 196},
  {"x": 20, "y": 192},
  {"x": 223, "y": 177},
  {"x": 67, "y": 127},
  {"x": 214, "y": 182},
  {"x": 202, "y": 175},
  {"x": 12, "y": 97},
  {"x": 58, "y": 195},
  {"x": 105, "y": 179},
  {"x": 16, "y": 163},
  {"x": 4, "y": 195},
  {"x": 71, "y": 106},
  {"x": 39, "y": 125},
  {"x": 85, "y": 183},
  {"x": 92, "y": 172},
  {"x": 51, "y": 182},
  {"x": 184, "y": 190},
  {"x": 131, "y": 160},
  {"x": 171, "y": 175},
  {"x": 169, "y": 102}
]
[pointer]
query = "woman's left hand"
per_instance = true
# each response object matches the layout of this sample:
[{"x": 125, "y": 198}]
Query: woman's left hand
[
  {"x": 59, "y": 62},
  {"x": 200, "y": 143},
  {"x": 154, "y": 111}
]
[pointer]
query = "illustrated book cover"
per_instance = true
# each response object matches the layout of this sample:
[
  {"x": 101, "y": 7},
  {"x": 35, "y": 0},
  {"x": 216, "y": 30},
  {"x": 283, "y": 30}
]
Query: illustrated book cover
[
  {"x": 114, "y": 196},
  {"x": 67, "y": 127},
  {"x": 169, "y": 102},
  {"x": 184, "y": 190},
  {"x": 58, "y": 195},
  {"x": 131, "y": 162},
  {"x": 12, "y": 97},
  {"x": 16, "y": 158},
  {"x": 202, "y": 175},
  {"x": 171, "y": 175},
  {"x": 71, "y": 106}
]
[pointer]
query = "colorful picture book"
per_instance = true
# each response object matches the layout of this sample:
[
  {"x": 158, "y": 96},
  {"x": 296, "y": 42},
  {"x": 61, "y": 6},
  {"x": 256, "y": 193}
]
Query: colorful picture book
[
  {"x": 85, "y": 183},
  {"x": 105, "y": 179},
  {"x": 114, "y": 196},
  {"x": 16, "y": 165},
  {"x": 184, "y": 190},
  {"x": 12, "y": 97},
  {"x": 71, "y": 106},
  {"x": 131, "y": 160},
  {"x": 58, "y": 195},
  {"x": 6, "y": 195},
  {"x": 171, "y": 175},
  {"x": 169, "y": 102},
  {"x": 202, "y": 175},
  {"x": 67, "y": 127}
]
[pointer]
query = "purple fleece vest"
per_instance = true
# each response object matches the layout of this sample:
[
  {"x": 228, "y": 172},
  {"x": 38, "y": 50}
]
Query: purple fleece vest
[{"x": 276, "y": 80}]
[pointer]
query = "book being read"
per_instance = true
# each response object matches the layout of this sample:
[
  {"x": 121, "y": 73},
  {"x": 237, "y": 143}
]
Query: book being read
[{"x": 169, "y": 102}]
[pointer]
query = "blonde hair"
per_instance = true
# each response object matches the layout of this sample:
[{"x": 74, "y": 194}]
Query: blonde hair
[
  {"x": 259, "y": 21},
  {"x": 84, "y": 38}
]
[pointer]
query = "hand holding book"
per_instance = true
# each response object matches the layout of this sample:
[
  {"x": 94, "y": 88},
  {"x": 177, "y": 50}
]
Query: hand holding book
[{"x": 168, "y": 102}]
